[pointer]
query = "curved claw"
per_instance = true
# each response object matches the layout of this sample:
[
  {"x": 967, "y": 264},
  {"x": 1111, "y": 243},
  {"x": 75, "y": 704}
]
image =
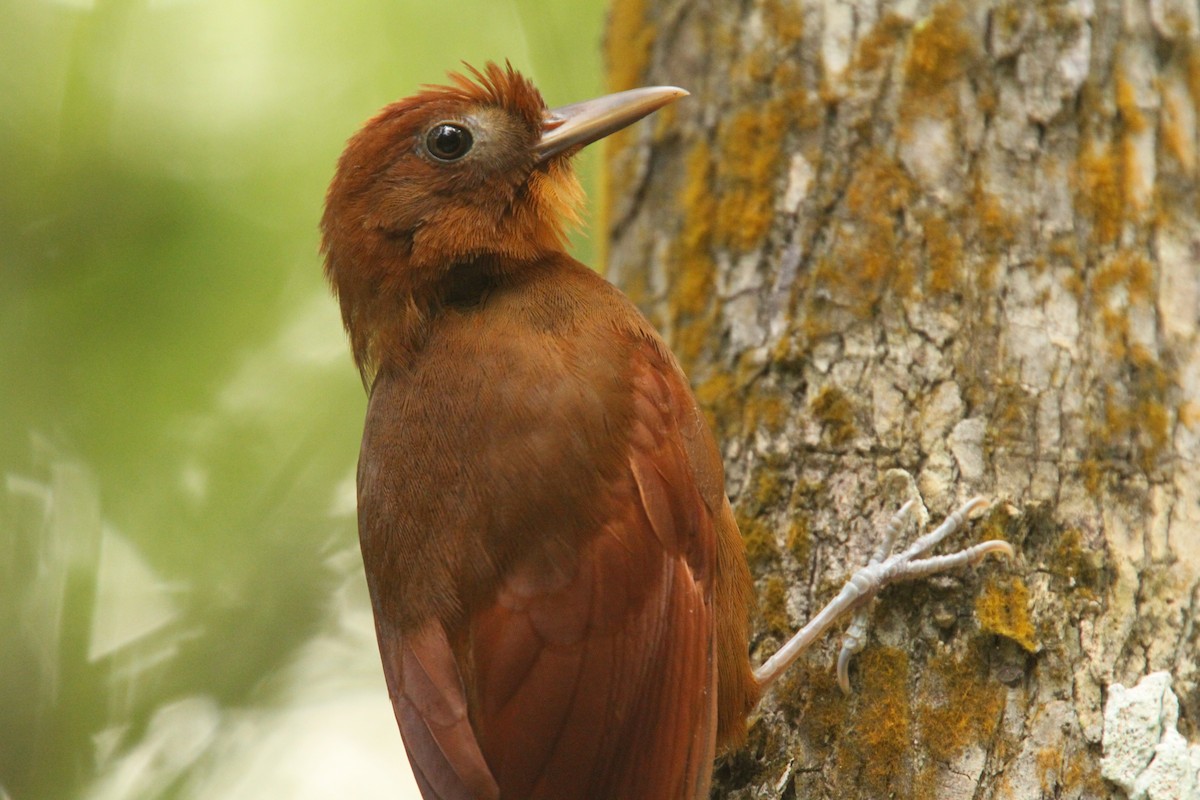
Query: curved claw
[
  {"x": 853, "y": 641},
  {"x": 843, "y": 669}
]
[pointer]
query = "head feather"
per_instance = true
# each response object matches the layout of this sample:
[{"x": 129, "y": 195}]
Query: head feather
[{"x": 497, "y": 86}]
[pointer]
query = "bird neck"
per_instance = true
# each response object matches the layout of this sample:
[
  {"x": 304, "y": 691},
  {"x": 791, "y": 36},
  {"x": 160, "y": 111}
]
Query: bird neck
[{"x": 390, "y": 323}]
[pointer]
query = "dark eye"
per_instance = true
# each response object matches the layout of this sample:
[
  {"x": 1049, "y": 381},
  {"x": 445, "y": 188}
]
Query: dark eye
[{"x": 447, "y": 142}]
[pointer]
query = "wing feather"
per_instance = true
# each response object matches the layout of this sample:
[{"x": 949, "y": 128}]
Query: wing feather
[
  {"x": 592, "y": 671},
  {"x": 428, "y": 698}
]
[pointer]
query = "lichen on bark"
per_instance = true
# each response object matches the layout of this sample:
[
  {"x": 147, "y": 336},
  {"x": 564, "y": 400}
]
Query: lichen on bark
[{"x": 961, "y": 240}]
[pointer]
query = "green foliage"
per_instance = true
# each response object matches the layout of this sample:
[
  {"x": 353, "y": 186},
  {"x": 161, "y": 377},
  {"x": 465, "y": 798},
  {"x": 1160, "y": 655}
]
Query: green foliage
[{"x": 177, "y": 393}]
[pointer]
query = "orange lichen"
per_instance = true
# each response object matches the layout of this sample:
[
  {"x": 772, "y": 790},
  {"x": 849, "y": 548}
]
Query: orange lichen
[
  {"x": 1003, "y": 609},
  {"x": 1193, "y": 71},
  {"x": 1189, "y": 414},
  {"x": 943, "y": 251},
  {"x": 783, "y": 20},
  {"x": 869, "y": 257},
  {"x": 1098, "y": 193},
  {"x": 941, "y": 52},
  {"x": 749, "y": 145},
  {"x": 878, "y": 45},
  {"x": 1178, "y": 135},
  {"x": 1131, "y": 114},
  {"x": 1136, "y": 419},
  {"x": 692, "y": 296},
  {"x": 628, "y": 43},
  {"x": 1049, "y": 765},
  {"x": 1128, "y": 269}
]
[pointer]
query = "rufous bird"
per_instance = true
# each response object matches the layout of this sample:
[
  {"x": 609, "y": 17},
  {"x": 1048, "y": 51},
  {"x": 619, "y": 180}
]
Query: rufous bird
[{"x": 559, "y": 586}]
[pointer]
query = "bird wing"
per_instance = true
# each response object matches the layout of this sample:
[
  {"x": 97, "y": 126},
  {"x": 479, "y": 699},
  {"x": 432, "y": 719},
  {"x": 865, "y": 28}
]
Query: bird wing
[
  {"x": 595, "y": 669},
  {"x": 427, "y": 696},
  {"x": 591, "y": 671}
]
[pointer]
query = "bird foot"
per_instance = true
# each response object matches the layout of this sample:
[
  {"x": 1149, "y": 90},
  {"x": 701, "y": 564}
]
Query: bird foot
[{"x": 882, "y": 570}]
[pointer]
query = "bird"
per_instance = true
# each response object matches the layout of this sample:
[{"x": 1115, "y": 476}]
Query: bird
[{"x": 560, "y": 590}]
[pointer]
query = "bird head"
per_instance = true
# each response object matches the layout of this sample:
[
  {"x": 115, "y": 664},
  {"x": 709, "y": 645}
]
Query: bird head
[{"x": 476, "y": 172}]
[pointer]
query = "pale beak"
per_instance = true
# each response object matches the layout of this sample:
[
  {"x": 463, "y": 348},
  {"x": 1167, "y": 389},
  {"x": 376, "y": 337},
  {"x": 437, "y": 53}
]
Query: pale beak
[{"x": 583, "y": 123}]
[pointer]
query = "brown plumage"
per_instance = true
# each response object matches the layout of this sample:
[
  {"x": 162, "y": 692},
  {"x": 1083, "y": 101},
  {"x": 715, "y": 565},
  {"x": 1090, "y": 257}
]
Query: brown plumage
[{"x": 559, "y": 587}]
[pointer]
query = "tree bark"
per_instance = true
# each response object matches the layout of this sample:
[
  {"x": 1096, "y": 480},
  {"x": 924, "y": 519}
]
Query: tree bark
[{"x": 948, "y": 248}]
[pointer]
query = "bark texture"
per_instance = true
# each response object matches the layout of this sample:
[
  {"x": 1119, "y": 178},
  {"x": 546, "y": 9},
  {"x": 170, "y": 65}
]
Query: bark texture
[{"x": 951, "y": 248}]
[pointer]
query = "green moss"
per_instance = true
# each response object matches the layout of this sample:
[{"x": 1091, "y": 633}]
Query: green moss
[
  {"x": 1003, "y": 609},
  {"x": 1136, "y": 418},
  {"x": 835, "y": 411},
  {"x": 772, "y": 608},
  {"x": 762, "y": 552},
  {"x": 959, "y": 703},
  {"x": 1013, "y": 409},
  {"x": 875, "y": 745},
  {"x": 766, "y": 409},
  {"x": 769, "y": 488},
  {"x": 1078, "y": 567},
  {"x": 1092, "y": 473},
  {"x": 799, "y": 538},
  {"x": 811, "y": 700},
  {"x": 1082, "y": 774},
  {"x": 1008, "y": 19}
]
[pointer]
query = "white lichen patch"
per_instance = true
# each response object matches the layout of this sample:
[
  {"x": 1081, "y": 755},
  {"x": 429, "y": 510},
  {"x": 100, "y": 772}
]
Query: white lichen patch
[
  {"x": 1144, "y": 753},
  {"x": 928, "y": 152},
  {"x": 799, "y": 180},
  {"x": 838, "y": 38}
]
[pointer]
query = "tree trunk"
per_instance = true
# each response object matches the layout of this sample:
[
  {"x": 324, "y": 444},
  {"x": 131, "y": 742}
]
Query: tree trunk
[{"x": 951, "y": 248}]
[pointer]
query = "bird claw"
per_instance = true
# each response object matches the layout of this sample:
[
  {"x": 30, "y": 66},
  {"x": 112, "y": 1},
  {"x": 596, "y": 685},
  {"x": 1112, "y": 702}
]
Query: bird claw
[{"x": 882, "y": 570}]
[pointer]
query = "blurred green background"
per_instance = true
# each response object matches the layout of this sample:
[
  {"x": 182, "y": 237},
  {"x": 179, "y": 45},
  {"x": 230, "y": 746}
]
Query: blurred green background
[{"x": 182, "y": 612}]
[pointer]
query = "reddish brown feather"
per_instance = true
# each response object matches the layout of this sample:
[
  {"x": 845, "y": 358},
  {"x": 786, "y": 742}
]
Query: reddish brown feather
[
  {"x": 618, "y": 700},
  {"x": 431, "y": 709},
  {"x": 496, "y": 86},
  {"x": 558, "y": 585}
]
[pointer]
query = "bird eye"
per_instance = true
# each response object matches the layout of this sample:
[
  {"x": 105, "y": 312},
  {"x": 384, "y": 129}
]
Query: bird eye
[{"x": 447, "y": 142}]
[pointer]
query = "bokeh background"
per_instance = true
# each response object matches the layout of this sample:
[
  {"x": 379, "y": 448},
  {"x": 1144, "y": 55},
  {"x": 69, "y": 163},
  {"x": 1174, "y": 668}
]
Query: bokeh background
[{"x": 182, "y": 610}]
